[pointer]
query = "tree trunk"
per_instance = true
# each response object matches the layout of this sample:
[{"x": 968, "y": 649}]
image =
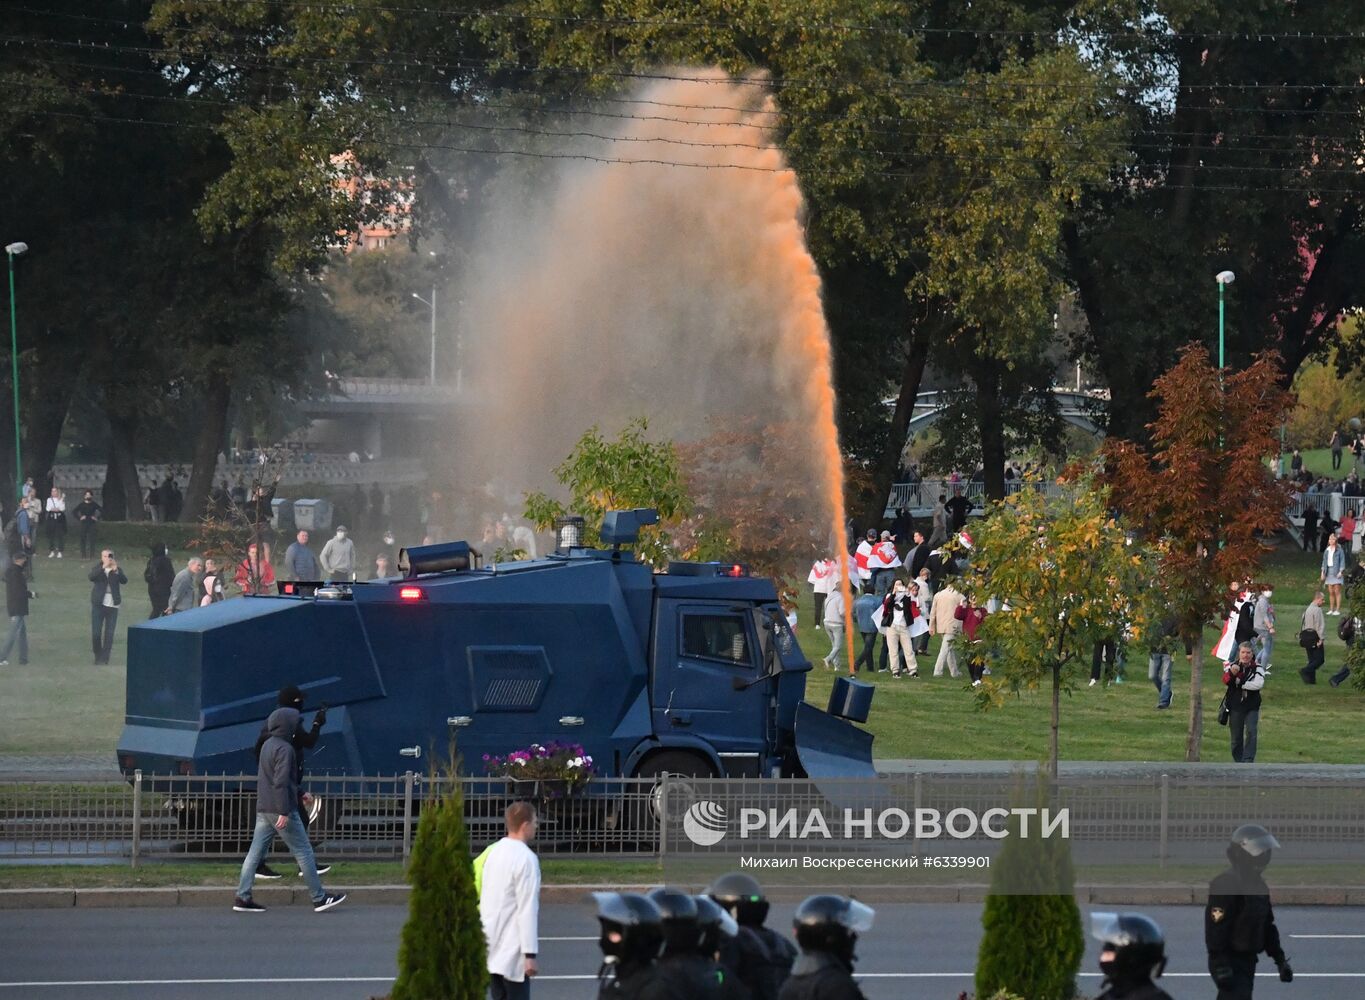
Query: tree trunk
[
  {"x": 112, "y": 500},
  {"x": 989, "y": 427},
  {"x": 208, "y": 441},
  {"x": 888, "y": 464},
  {"x": 1195, "y": 737},
  {"x": 44, "y": 419},
  {"x": 122, "y": 440},
  {"x": 1053, "y": 743}
]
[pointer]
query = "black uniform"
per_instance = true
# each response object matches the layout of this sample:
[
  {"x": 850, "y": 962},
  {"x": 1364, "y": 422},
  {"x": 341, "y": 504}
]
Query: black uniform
[
  {"x": 1141, "y": 991},
  {"x": 762, "y": 958},
  {"x": 632, "y": 981},
  {"x": 819, "y": 975},
  {"x": 696, "y": 976},
  {"x": 1239, "y": 923}
]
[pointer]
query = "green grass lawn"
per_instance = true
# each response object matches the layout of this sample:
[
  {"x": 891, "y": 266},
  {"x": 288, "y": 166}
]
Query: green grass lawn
[
  {"x": 1319, "y": 462},
  {"x": 61, "y": 704}
]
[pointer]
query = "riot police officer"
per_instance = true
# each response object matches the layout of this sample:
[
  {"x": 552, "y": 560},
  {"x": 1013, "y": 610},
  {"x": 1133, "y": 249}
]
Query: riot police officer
[
  {"x": 632, "y": 934},
  {"x": 716, "y": 928},
  {"x": 1239, "y": 922},
  {"x": 681, "y": 962},
  {"x": 762, "y": 957},
  {"x": 1132, "y": 954},
  {"x": 827, "y": 929}
]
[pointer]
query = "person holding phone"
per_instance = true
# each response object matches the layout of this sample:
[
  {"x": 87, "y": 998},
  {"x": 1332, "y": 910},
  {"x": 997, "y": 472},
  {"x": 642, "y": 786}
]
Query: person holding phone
[
  {"x": 1244, "y": 678},
  {"x": 105, "y": 599}
]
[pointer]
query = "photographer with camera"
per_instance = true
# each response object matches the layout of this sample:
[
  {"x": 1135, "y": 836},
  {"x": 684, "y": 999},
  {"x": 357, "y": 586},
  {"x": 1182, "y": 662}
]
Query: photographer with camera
[
  {"x": 1244, "y": 678},
  {"x": 308, "y": 805}
]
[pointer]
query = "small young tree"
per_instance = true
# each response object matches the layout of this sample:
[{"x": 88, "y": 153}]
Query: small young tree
[
  {"x": 442, "y": 953},
  {"x": 1070, "y": 576},
  {"x": 1033, "y": 942},
  {"x": 1203, "y": 494},
  {"x": 603, "y": 475}
]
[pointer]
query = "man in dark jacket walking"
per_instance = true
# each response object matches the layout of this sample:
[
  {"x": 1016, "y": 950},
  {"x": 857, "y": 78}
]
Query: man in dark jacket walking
[
  {"x": 105, "y": 600},
  {"x": 277, "y": 793},
  {"x": 302, "y": 739},
  {"x": 16, "y": 605}
]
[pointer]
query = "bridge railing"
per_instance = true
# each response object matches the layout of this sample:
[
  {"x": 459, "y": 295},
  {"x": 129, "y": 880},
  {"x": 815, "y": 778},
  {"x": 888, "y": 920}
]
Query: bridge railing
[{"x": 921, "y": 496}]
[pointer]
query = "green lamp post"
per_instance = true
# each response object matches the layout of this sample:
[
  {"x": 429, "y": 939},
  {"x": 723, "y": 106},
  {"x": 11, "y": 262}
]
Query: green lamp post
[{"x": 11, "y": 251}]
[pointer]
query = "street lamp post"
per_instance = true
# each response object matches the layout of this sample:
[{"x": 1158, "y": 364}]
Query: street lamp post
[
  {"x": 11, "y": 251},
  {"x": 432, "y": 304},
  {"x": 1224, "y": 278}
]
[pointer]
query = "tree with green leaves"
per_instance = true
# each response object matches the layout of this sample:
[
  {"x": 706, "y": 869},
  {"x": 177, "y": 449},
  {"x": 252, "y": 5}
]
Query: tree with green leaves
[
  {"x": 630, "y": 471},
  {"x": 1202, "y": 495},
  {"x": 442, "y": 954},
  {"x": 1069, "y": 576}
]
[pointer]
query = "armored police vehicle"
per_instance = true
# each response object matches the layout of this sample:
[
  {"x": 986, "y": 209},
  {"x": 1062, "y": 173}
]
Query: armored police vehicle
[{"x": 691, "y": 671}]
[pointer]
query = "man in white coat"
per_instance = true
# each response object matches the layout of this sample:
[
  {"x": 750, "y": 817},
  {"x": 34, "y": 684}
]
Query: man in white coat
[{"x": 509, "y": 906}]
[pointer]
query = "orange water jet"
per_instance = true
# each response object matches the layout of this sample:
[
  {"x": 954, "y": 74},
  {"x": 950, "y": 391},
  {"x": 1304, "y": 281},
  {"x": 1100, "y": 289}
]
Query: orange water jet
[{"x": 600, "y": 292}]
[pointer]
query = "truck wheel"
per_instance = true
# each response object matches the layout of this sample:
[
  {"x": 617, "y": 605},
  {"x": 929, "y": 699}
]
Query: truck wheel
[{"x": 675, "y": 764}]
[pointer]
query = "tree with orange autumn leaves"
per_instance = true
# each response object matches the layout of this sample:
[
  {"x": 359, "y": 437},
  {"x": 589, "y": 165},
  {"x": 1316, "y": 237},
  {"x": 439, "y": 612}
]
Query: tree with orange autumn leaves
[{"x": 1202, "y": 494}]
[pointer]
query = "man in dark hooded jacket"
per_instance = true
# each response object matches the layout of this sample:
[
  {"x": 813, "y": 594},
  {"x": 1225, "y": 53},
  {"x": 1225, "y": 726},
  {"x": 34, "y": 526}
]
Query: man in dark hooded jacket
[
  {"x": 277, "y": 793},
  {"x": 159, "y": 574},
  {"x": 302, "y": 739}
]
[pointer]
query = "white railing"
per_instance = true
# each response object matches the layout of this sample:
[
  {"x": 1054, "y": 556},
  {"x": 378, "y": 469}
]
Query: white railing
[
  {"x": 326, "y": 470},
  {"x": 923, "y": 495}
]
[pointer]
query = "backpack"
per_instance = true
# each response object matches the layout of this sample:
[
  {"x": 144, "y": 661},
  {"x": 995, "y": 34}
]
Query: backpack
[{"x": 1346, "y": 630}]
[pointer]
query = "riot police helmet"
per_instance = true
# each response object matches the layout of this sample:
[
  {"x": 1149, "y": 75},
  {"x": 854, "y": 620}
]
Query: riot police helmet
[
  {"x": 831, "y": 924},
  {"x": 742, "y": 896},
  {"x": 1251, "y": 846},
  {"x": 1133, "y": 949},
  {"x": 681, "y": 928},
  {"x": 632, "y": 927},
  {"x": 714, "y": 923}
]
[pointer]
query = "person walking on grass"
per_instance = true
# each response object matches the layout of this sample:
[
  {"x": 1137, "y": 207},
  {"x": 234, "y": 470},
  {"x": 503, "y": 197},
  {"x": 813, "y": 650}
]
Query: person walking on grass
[
  {"x": 943, "y": 621},
  {"x": 277, "y": 796},
  {"x": 899, "y": 611},
  {"x": 160, "y": 577},
  {"x": 1333, "y": 570},
  {"x": 1312, "y": 634},
  {"x": 17, "y": 596},
  {"x": 863, "y": 609},
  {"x": 834, "y": 627}
]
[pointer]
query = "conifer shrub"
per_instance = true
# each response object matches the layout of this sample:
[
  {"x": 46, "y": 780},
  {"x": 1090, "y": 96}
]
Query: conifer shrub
[
  {"x": 1033, "y": 941},
  {"x": 442, "y": 954}
]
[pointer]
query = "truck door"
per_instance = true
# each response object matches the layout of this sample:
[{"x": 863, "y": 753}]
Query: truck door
[{"x": 701, "y": 649}]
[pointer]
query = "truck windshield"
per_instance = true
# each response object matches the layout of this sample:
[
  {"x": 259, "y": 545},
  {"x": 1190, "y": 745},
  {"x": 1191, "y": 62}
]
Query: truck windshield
[{"x": 788, "y": 652}]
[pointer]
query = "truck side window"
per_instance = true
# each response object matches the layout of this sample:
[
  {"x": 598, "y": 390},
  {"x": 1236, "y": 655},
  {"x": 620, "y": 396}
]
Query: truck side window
[{"x": 715, "y": 637}]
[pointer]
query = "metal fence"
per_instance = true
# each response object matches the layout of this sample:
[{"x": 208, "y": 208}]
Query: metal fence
[
  {"x": 923, "y": 495},
  {"x": 212, "y": 816},
  {"x": 1161, "y": 817}
]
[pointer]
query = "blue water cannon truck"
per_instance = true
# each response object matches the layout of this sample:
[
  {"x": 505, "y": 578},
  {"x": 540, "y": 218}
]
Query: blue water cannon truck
[{"x": 690, "y": 671}]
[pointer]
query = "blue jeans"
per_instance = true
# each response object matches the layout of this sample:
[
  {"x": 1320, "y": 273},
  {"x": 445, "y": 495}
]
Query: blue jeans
[
  {"x": 295, "y": 836},
  {"x": 1159, "y": 673},
  {"x": 18, "y": 632},
  {"x": 1267, "y": 642}
]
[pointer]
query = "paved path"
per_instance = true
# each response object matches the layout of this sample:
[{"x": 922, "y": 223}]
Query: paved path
[{"x": 914, "y": 951}]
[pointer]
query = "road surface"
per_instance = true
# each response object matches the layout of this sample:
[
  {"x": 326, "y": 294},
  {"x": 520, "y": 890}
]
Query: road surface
[{"x": 290, "y": 952}]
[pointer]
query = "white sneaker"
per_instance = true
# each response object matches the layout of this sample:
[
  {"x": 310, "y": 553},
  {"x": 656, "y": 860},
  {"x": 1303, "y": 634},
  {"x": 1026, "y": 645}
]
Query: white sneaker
[
  {"x": 59, "y": 555},
  {"x": 976, "y": 684},
  {"x": 1093, "y": 682},
  {"x": 51, "y": 554}
]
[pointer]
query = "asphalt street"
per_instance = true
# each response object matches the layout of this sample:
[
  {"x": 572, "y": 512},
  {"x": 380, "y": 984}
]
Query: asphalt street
[{"x": 913, "y": 951}]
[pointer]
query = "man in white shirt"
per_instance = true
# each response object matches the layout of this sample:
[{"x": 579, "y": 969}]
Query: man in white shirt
[{"x": 509, "y": 906}]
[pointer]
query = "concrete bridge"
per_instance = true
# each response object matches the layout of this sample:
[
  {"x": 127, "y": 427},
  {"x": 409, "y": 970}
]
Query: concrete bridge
[{"x": 1078, "y": 408}]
